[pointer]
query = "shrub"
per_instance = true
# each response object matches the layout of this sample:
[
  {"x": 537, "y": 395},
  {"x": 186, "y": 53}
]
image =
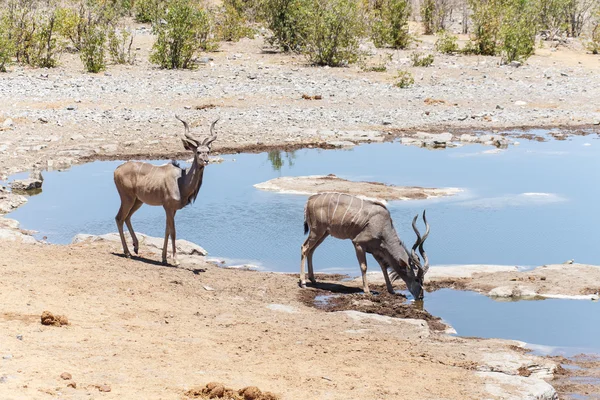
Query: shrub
[
  {"x": 332, "y": 37},
  {"x": 554, "y": 19},
  {"x": 119, "y": 46},
  {"x": 389, "y": 24},
  {"x": 518, "y": 29},
  {"x": 593, "y": 42},
  {"x": 447, "y": 43},
  {"x": 288, "y": 21},
  {"x": 92, "y": 49},
  {"x": 148, "y": 10},
  {"x": 231, "y": 22},
  {"x": 404, "y": 79},
  {"x": 434, "y": 14},
  {"x": 7, "y": 50},
  {"x": 420, "y": 60},
  {"x": 184, "y": 29},
  {"x": 505, "y": 27}
]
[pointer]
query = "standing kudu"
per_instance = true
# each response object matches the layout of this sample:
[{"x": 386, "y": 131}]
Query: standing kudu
[
  {"x": 166, "y": 185},
  {"x": 369, "y": 225}
]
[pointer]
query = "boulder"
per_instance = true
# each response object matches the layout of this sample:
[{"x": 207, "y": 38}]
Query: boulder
[
  {"x": 184, "y": 247},
  {"x": 25, "y": 185}
]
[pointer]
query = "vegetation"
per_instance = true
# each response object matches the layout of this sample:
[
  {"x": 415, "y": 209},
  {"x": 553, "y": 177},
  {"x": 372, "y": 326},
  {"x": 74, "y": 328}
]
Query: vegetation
[
  {"x": 231, "y": 21},
  {"x": 404, "y": 79},
  {"x": 92, "y": 49},
  {"x": 504, "y": 27},
  {"x": 183, "y": 29},
  {"x": 434, "y": 14},
  {"x": 421, "y": 60},
  {"x": 119, "y": 46},
  {"x": 447, "y": 43},
  {"x": 389, "y": 24}
]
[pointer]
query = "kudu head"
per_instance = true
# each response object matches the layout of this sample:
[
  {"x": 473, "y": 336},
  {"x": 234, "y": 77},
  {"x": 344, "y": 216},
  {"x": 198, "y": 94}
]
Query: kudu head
[
  {"x": 418, "y": 270},
  {"x": 201, "y": 148}
]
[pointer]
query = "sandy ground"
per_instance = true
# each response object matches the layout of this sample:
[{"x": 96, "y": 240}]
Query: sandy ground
[
  {"x": 150, "y": 331},
  {"x": 331, "y": 183}
]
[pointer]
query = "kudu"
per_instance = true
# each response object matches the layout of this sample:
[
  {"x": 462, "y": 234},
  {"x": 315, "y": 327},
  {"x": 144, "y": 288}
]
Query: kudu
[
  {"x": 166, "y": 185},
  {"x": 369, "y": 225}
]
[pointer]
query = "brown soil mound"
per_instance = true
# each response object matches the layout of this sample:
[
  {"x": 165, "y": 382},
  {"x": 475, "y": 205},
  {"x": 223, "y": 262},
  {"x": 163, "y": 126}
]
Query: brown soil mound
[
  {"x": 55, "y": 320},
  {"x": 215, "y": 390},
  {"x": 384, "y": 303}
]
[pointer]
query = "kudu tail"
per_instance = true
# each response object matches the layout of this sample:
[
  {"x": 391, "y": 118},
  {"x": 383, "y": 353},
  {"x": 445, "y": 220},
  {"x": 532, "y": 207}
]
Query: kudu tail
[{"x": 306, "y": 218}]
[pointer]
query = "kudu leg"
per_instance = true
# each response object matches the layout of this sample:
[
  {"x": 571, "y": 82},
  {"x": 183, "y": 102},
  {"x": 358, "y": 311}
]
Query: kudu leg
[
  {"x": 388, "y": 282},
  {"x": 173, "y": 237},
  {"x": 126, "y": 205},
  {"x": 362, "y": 260},
  {"x": 309, "y": 256},
  {"x": 166, "y": 242},
  {"x": 135, "y": 207},
  {"x": 307, "y": 250}
]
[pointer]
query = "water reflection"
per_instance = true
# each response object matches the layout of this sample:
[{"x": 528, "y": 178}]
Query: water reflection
[{"x": 277, "y": 160}]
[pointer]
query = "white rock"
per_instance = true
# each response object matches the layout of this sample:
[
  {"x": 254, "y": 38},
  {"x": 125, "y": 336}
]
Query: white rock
[
  {"x": 184, "y": 247},
  {"x": 282, "y": 308}
]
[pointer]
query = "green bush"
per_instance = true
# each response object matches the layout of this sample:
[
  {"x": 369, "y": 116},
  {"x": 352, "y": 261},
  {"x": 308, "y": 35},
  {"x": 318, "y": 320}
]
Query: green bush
[
  {"x": 420, "y": 60},
  {"x": 332, "y": 37},
  {"x": 92, "y": 49},
  {"x": 554, "y": 17},
  {"x": 7, "y": 50},
  {"x": 389, "y": 24},
  {"x": 503, "y": 27},
  {"x": 148, "y": 10},
  {"x": 119, "y": 46},
  {"x": 231, "y": 24},
  {"x": 288, "y": 21},
  {"x": 593, "y": 42},
  {"x": 404, "y": 79},
  {"x": 183, "y": 29},
  {"x": 434, "y": 14},
  {"x": 518, "y": 30},
  {"x": 447, "y": 43}
]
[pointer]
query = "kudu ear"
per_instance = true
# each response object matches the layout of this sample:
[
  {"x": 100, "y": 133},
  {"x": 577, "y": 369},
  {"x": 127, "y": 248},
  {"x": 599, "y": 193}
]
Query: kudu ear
[{"x": 189, "y": 145}]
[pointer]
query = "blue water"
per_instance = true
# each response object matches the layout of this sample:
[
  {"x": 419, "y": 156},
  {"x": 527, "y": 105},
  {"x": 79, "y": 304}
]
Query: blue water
[
  {"x": 552, "y": 326},
  {"x": 492, "y": 222}
]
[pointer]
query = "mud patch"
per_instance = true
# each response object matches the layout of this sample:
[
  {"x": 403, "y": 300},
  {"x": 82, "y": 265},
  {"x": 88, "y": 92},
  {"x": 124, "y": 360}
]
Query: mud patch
[
  {"x": 577, "y": 377},
  {"x": 215, "y": 390},
  {"x": 456, "y": 284},
  {"x": 384, "y": 303}
]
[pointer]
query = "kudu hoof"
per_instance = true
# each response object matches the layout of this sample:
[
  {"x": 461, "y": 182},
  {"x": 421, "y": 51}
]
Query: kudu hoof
[
  {"x": 127, "y": 255},
  {"x": 302, "y": 285},
  {"x": 135, "y": 249}
]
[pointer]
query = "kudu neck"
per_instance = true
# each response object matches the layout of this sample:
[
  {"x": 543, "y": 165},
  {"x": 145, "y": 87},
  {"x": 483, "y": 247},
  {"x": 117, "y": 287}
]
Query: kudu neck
[
  {"x": 394, "y": 247},
  {"x": 192, "y": 180}
]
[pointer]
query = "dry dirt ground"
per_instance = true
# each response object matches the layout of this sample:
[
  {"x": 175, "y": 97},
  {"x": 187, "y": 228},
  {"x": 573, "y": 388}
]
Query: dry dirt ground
[{"x": 143, "y": 330}]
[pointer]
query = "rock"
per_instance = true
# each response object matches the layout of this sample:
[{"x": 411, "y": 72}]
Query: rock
[
  {"x": 104, "y": 388},
  {"x": 72, "y": 107},
  {"x": 8, "y": 123},
  {"x": 12, "y": 235},
  {"x": 77, "y": 136},
  {"x": 505, "y": 386},
  {"x": 387, "y": 122},
  {"x": 439, "y": 137},
  {"x": 282, "y": 308},
  {"x": 26, "y": 184},
  {"x": 7, "y": 357},
  {"x": 512, "y": 292},
  {"x": 520, "y": 103},
  {"x": 340, "y": 144},
  {"x": 109, "y": 148},
  {"x": 155, "y": 244},
  {"x": 204, "y": 60},
  {"x": 66, "y": 376},
  {"x": 515, "y": 64},
  {"x": 19, "y": 337},
  {"x": 9, "y": 201},
  {"x": 72, "y": 385},
  {"x": 462, "y": 118},
  {"x": 3, "y": 379}
]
